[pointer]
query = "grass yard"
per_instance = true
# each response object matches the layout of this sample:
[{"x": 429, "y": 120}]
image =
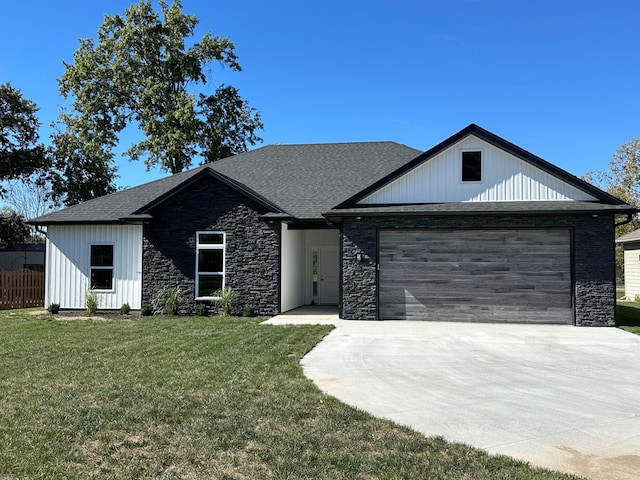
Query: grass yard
[
  {"x": 628, "y": 316},
  {"x": 177, "y": 397}
]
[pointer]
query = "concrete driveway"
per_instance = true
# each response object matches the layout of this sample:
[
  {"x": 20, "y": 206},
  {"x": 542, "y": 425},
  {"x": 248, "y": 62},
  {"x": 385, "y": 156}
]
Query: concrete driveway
[{"x": 562, "y": 397}]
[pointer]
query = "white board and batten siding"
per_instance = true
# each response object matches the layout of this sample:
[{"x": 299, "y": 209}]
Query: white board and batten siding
[
  {"x": 631, "y": 270},
  {"x": 504, "y": 178},
  {"x": 297, "y": 269},
  {"x": 68, "y": 269},
  {"x": 292, "y": 276}
]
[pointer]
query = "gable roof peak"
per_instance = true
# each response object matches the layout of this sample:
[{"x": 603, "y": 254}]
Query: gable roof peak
[{"x": 496, "y": 141}]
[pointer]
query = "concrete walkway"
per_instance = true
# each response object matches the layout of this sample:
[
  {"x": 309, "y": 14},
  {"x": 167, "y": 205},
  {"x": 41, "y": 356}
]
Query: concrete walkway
[
  {"x": 561, "y": 397},
  {"x": 309, "y": 314}
]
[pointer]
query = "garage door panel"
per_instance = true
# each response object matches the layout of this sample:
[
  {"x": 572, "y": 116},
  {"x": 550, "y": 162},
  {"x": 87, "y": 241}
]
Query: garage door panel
[
  {"x": 479, "y": 281},
  {"x": 444, "y": 298},
  {"x": 490, "y": 275}
]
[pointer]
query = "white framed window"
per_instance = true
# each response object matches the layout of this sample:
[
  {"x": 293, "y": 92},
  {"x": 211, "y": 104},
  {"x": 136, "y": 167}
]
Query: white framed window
[
  {"x": 210, "y": 259},
  {"x": 471, "y": 166},
  {"x": 101, "y": 264}
]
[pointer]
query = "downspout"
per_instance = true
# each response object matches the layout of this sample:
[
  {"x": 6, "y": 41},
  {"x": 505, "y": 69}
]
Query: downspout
[{"x": 628, "y": 220}]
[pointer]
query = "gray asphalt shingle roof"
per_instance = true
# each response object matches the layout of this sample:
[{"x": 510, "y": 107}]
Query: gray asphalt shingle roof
[
  {"x": 114, "y": 207},
  {"x": 300, "y": 180},
  {"x": 307, "y": 181}
]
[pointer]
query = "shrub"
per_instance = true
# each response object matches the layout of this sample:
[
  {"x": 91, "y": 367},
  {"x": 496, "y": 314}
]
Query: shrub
[
  {"x": 226, "y": 300},
  {"x": 167, "y": 300},
  {"x": 202, "y": 310},
  {"x": 91, "y": 299},
  {"x": 247, "y": 311},
  {"x": 54, "y": 308},
  {"x": 146, "y": 310},
  {"x": 125, "y": 309}
]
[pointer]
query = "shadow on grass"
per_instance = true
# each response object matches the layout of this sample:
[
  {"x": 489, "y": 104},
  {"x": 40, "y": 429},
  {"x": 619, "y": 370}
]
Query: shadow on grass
[{"x": 628, "y": 315}]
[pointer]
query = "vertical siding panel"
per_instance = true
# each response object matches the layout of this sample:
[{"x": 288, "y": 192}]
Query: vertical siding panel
[
  {"x": 631, "y": 270},
  {"x": 47, "y": 284},
  {"x": 411, "y": 193},
  {"x": 68, "y": 269},
  {"x": 505, "y": 178}
]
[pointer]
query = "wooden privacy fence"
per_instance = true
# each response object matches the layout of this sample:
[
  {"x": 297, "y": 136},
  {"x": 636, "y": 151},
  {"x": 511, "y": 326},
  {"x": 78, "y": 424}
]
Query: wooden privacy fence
[{"x": 21, "y": 289}]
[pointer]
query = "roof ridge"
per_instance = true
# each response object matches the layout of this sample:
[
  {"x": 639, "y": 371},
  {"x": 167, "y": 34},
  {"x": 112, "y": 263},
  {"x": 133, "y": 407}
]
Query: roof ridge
[{"x": 357, "y": 142}]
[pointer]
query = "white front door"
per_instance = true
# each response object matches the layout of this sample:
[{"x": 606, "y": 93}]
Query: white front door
[{"x": 328, "y": 276}]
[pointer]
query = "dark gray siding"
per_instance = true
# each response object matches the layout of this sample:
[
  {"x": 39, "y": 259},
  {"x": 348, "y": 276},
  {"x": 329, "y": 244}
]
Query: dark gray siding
[
  {"x": 501, "y": 275},
  {"x": 593, "y": 247},
  {"x": 252, "y": 245}
]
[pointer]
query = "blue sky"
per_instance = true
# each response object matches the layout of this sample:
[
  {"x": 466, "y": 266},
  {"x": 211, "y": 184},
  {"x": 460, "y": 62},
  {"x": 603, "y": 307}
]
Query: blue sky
[{"x": 558, "y": 78}]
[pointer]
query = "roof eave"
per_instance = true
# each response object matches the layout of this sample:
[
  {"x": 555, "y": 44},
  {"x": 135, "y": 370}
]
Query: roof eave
[
  {"x": 79, "y": 222},
  {"x": 544, "y": 165},
  {"x": 337, "y": 214},
  {"x": 498, "y": 142},
  {"x": 217, "y": 175}
]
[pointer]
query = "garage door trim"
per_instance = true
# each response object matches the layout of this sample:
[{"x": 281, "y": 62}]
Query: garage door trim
[{"x": 570, "y": 265}]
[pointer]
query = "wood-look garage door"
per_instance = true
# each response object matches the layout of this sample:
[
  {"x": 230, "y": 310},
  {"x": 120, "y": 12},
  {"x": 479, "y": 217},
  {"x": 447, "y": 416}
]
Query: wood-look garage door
[{"x": 476, "y": 275}]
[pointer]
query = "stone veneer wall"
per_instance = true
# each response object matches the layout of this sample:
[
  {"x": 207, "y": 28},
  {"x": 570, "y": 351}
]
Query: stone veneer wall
[
  {"x": 252, "y": 257},
  {"x": 593, "y": 248}
]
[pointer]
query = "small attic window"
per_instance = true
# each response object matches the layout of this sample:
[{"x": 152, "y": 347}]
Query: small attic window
[{"x": 472, "y": 166}]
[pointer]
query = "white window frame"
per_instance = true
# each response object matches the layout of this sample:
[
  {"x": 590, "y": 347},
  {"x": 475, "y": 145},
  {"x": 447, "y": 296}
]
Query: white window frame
[
  {"x": 111, "y": 267},
  {"x": 210, "y": 246},
  {"x": 482, "y": 165}
]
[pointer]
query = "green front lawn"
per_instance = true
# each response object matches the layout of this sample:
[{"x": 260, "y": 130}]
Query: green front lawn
[
  {"x": 628, "y": 316},
  {"x": 158, "y": 397}
]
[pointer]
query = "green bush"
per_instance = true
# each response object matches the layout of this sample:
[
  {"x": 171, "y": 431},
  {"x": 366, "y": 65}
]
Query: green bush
[
  {"x": 226, "y": 300},
  {"x": 146, "y": 310},
  {"x": 247, "y": 311},
  {"x": 167, "y": 300},
  {"x": 202, "y": 310},
  {"x": 91, "y": 299},
  {"x": 125, "y": 309},
  {"x": 54, "y": 308}
]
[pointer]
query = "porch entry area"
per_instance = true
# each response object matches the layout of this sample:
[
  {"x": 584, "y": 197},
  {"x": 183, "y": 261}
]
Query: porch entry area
[
  {"x": 310, "y": 266},
  {"x": 307, "y": 315}
]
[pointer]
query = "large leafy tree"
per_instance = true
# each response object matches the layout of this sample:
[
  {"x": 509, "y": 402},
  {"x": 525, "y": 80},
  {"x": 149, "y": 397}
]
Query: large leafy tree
[
  {"x": 13, "y": 228},
  {"x": 30, "y": 198},
  {"x": 622, "y": 180},
  {"x": 82, "y": 159},
  {"x": 229, "y": 124},
  {"x": 20, "y": 153},
  {"x": 141, "y": 72}
]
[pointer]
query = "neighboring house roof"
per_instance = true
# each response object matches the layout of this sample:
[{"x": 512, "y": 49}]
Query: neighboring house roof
[
  {"x": 304, "y": 182},
  {"x": 629, "y": 237},
  {"x": 22, "y": 247}
]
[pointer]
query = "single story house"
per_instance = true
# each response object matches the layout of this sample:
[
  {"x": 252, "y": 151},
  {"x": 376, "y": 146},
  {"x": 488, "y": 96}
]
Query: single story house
[
  {"x": 631, "y": 245},
  {"x": 474, "y": 229}
]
